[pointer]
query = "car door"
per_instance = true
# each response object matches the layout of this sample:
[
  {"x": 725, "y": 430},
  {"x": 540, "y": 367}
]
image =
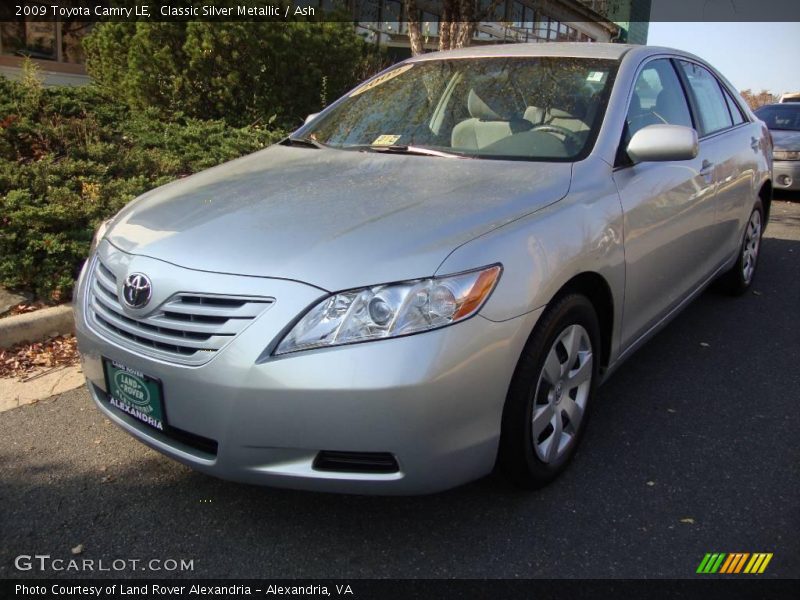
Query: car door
[
  {"x": 730, "y": 145},
  {"x": 668, "y": 207}
]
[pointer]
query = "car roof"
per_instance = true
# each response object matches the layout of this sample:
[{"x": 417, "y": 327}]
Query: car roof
[
  {"x": 563, "y": 49},
  {"x": 781, "y": 105}
]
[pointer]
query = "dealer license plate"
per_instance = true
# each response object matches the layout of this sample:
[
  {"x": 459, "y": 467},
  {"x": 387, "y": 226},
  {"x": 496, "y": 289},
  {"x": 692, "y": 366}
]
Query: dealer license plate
[{"x": 134, "y": 393}]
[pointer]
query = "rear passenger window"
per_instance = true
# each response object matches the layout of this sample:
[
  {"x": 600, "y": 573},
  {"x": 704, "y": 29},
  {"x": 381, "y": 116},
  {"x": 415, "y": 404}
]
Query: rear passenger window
[
  {"x": 711, "y": 103},
  {"x": 736, "y": 112}
]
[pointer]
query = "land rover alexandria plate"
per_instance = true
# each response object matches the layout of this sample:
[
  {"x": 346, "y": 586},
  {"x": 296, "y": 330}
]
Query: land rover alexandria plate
[{"x": 134, "y": 393}]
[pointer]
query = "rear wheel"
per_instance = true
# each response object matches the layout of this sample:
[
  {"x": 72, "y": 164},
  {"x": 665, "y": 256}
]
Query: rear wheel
[
  {"x": 550, "y": 395},
  {"x": 740, "y": 277}
]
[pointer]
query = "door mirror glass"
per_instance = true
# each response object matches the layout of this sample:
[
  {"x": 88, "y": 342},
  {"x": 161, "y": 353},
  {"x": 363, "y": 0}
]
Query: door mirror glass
[{"x": 663, "y": 143}]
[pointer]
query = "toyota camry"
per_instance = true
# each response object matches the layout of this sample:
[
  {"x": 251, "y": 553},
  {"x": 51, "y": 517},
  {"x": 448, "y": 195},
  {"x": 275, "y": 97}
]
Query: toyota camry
[{"x": 429, "y": 279}]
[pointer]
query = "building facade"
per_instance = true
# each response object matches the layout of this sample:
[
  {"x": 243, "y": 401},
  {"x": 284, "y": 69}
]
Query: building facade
[{"x": 56, "y": 46}]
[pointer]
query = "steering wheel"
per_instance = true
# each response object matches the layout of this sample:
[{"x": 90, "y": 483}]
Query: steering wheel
[{"x": 557, "y": 129}]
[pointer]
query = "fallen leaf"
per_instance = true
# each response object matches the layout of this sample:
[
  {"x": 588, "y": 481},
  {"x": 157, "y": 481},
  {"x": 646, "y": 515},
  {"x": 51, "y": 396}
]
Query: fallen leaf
[
  {"x": 77, "y": 549},
  {"x": 688, "y": 520},
  {"x": 705, "y": 344},
  {"x": 651, "y": 483}
]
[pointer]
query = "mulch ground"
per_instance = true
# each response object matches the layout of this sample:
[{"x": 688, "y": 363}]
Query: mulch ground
[{"x": 23, "y": 360}]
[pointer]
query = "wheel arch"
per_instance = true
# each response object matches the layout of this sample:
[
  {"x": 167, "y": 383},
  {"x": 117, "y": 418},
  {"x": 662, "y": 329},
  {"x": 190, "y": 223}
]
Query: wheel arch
[
  {"x": 765, "y": 193},
  {"x": 596, "y": 289}
]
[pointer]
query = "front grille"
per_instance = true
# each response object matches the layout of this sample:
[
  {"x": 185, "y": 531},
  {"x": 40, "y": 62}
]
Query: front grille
[
  {"x": 188, "y": 328},
  {"x": 355, "y": 462}
]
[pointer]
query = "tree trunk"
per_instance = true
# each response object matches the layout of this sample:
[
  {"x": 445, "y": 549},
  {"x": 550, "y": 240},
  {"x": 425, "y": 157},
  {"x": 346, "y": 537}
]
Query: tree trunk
[
  {"x": 414, "y": 34},
  {"x": 456, "y": 27}
]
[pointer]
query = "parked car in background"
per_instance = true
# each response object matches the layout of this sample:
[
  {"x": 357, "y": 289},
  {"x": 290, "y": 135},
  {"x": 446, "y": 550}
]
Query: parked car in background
[
  {"x": 431, "y": 277},
  {"x": 783, "y": 121},
  {"x": 793, "y": 97}
]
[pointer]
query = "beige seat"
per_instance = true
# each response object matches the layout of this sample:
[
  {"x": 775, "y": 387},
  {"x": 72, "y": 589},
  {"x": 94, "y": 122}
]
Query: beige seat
[{"x": 485, "y": 126}]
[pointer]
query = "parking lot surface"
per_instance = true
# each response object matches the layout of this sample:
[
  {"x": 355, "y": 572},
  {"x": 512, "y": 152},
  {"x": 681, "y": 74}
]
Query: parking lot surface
[{"x": 693, "y": 448}]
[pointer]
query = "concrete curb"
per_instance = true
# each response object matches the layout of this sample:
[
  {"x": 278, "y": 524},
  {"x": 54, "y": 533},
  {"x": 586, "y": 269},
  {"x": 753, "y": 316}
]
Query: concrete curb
[
  {"x": 39, "y": 386},
  {"x": 36, "y": 326}
]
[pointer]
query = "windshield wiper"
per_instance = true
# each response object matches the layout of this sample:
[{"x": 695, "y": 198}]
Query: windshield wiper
[
  {"x": 305, "y": 142},
  {"x": 405, "y": 149}
]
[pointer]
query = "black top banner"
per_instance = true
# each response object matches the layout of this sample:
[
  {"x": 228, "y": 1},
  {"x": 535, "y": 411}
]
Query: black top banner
[{"x": 382, "y": 10}]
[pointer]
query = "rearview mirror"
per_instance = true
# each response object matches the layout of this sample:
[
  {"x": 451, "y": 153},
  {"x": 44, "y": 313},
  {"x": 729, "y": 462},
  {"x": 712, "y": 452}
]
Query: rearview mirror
[
  {"x": 310, "y": 118},
  {"x": 662, "y": 143}
]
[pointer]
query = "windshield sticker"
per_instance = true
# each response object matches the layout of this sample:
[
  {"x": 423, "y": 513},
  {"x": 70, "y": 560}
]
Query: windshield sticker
[
  {"x": 385, "y": 140},
  {"x": 381, "y": 79},
  {"x": 595, "y": 76}
]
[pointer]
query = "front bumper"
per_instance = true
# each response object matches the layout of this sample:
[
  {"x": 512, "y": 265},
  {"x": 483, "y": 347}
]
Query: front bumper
[
  {"x": 432, "y": 400},
  {"x": 786, "y": 174}
]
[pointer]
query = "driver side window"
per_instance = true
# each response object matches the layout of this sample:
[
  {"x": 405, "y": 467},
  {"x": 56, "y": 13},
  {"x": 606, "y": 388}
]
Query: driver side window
[{"x": 657, "y": 98}]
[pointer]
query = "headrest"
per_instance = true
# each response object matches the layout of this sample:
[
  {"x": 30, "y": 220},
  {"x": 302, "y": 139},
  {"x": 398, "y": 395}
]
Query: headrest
[
  {"x": 534, "y": 114},
  {"x": 478, "y": 109}
]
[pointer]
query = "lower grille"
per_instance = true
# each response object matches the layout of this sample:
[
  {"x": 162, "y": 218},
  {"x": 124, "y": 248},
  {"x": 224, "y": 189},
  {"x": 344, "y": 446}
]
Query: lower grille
[
  {"x": 202, "y": 445},
  {"x": 187, "y": 328},
  {"x": 356, "y": 462}
]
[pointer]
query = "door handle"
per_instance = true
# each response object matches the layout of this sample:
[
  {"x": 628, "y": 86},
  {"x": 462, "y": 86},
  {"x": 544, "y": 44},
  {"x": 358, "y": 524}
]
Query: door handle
[
  {"x": 706, "y": 167},
  {"x": 755, "y": 144}
]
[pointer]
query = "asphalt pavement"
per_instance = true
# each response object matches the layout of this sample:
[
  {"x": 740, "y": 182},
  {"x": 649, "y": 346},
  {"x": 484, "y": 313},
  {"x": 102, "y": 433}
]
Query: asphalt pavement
[{"x": 693, "y": 448}]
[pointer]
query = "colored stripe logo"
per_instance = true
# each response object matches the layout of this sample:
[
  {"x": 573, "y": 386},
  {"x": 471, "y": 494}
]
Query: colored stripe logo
[{"x": 734, "y": 563}]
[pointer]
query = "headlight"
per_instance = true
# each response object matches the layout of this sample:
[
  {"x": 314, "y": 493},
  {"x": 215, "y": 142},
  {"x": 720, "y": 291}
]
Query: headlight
[
  {"x": 99, "y": 234},
  {"x": 786, "y": 155},
  {"x": 393, "y": 310}
]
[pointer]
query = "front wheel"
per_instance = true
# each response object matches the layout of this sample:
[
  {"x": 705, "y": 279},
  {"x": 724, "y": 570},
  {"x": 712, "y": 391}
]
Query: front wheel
[
  {"x": 738, "y": 279},
  {"x": 550, "y": 394}
]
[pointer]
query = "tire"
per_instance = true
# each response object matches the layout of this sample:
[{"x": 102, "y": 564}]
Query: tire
[
  {"x": 737, "y": 281},
  {"x": 544, "y": 393}
]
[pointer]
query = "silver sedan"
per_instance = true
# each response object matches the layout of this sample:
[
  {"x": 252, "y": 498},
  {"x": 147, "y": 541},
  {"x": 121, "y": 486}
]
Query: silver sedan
[
  {"x": 430, "y": 278},
  {"x": 783, "y": 122}
]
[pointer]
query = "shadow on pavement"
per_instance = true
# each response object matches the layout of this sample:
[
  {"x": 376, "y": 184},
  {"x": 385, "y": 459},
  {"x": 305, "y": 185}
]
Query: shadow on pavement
[{"x": 692, "y": 448}]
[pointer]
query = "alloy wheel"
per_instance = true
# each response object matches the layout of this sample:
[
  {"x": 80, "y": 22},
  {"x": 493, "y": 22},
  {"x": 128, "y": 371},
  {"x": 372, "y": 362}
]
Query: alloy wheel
[
  {"x": 561, "y": 393},
  {"x": 752, "y": 241}
]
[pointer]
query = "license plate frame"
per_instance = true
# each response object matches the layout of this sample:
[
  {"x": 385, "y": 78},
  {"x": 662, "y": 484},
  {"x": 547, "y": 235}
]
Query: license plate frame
[{"x": 135, "y": 394}]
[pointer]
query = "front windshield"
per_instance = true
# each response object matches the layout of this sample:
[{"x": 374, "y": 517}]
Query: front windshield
[
  {"x": 537, "y": 108},
  {"x": 784, "y": 116}
]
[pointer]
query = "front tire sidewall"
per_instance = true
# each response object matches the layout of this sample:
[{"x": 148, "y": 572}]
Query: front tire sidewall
[{"x": 518, "y": 458}]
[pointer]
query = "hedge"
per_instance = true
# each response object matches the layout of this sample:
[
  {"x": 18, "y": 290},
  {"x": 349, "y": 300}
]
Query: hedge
[{"x": 72, "y": 157}]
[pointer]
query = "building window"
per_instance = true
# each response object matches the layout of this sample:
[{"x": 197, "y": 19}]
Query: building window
[
  {"x": 58, "y": 41},
  {"x": 28, "y": 38}
]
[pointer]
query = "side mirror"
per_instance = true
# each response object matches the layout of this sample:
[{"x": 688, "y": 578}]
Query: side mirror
[
  {"x": 662, "y": 143},
  {"x": 310, "y": 118}
]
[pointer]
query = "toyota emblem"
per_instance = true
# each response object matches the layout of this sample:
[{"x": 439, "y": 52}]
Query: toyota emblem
[{"x": 137, "y": 290}]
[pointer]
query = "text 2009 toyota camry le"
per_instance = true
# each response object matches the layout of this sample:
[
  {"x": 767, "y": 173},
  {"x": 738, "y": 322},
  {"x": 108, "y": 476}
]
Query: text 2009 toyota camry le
[{"x": 431, "y": 277}]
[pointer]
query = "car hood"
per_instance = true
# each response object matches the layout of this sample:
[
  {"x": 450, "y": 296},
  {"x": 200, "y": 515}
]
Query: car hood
[
  {"x": 334, "y": 219},
  {"x": 785, "y": 140}
]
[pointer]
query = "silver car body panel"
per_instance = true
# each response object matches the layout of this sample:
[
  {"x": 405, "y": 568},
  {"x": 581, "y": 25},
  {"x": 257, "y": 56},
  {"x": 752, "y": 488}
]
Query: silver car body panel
[
  {"x": 334, "y": 219},
  {"x": 293, "y": 224},
  {"x": 788, "y": 141}
]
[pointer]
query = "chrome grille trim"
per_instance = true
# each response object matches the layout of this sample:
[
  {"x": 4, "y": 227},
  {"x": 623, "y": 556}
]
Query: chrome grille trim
[{"x": 187, "y": 328}]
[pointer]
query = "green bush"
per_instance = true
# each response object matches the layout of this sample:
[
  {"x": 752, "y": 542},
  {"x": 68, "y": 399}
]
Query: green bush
[
  {"x": 240, "y": 72},
  {"x": 71, "y": 157}
]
